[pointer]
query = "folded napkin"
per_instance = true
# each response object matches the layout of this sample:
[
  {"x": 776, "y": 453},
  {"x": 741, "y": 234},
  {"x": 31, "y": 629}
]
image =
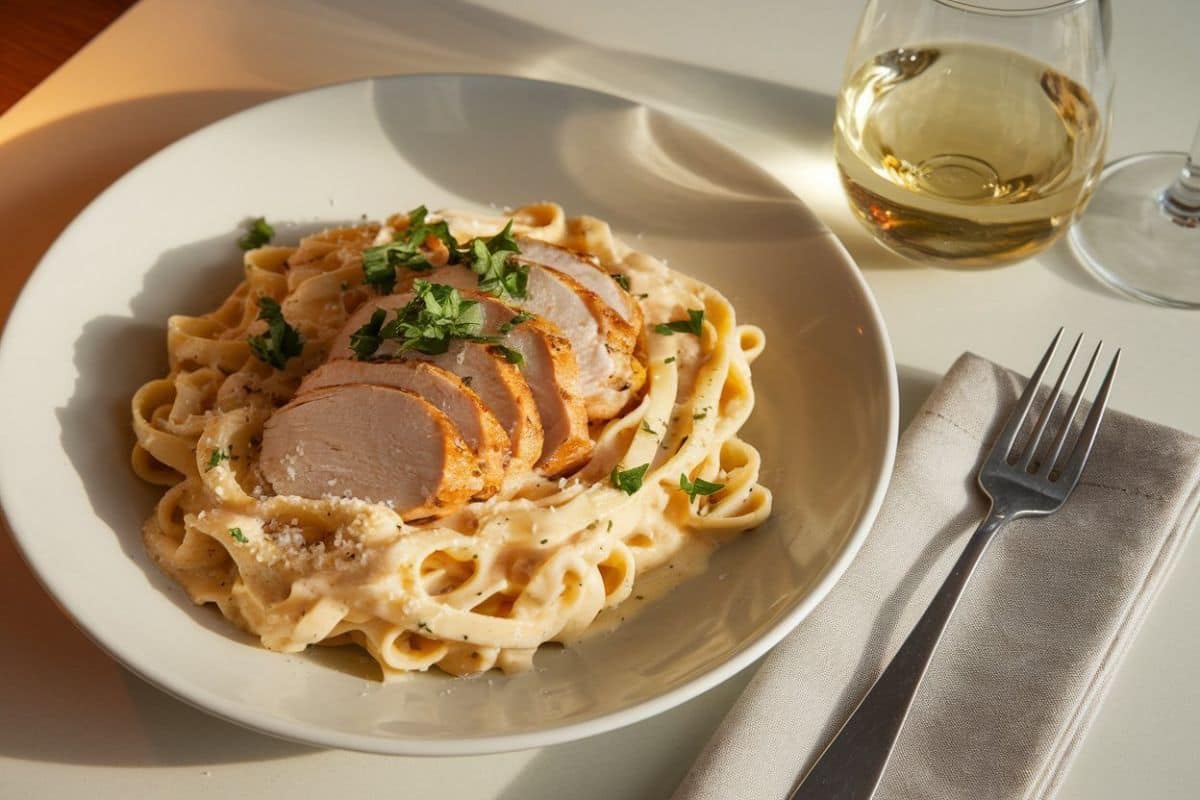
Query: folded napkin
[{"x": 1030, "y": 650}]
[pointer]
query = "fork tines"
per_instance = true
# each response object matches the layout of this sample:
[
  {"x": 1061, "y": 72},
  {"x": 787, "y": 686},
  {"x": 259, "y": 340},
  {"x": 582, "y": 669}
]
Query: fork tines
[{"x": 1028, "y": 457}]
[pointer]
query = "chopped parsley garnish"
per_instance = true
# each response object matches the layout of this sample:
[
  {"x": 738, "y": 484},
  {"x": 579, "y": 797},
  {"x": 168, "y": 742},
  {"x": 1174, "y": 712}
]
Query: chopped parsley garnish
[
  {"x": 436, "y": 316},
  {"x": 216, "y": 457},
  {"x": 492, "y": 260},
  {"x": 379, "y": 266},
  {"x": 698, "y": 487},
  {"x": 405, "y": 250},
  {"x": 523, "y": 316},
  {"x": 629, "y": 480},
  {"x": 238, "y": 536},
  {"x": 280, "y": 342},
  {"x": 701, "y": 415},
  {"x": 544, "y": 541},
  {"x": 423, "y": 626},
  {"x": 609, "y": 525},
  {"x": 621, "y": 279},
  {"x": 503, "y": 241},
  {"x": 420, "y": 230},
  {"x": 669, "y": 360},
  {"x": 693, "y": 324},
  {"x": 258, "y": 234},
  {"x": 510, "y": 355},
  {"x": 365, "y": 341},
  {"x": 646, "y": 427}
]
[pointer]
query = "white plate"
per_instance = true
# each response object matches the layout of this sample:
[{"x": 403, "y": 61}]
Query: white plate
[{"x": 90, "y": 327}]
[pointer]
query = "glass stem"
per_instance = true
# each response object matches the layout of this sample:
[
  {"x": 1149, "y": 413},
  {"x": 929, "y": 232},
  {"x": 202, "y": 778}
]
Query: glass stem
[{"x": 1181, "y": 200}]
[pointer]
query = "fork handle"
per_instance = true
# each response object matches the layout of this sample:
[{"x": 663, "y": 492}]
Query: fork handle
[{"x": 852, "y": 764}]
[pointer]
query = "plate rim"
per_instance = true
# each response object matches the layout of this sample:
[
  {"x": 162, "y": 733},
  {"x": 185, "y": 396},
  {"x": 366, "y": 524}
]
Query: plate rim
[{"x": 251, "y": 718}]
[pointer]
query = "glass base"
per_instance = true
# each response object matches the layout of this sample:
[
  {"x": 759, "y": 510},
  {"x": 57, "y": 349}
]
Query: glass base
[{"x": 1128, "y": 240}]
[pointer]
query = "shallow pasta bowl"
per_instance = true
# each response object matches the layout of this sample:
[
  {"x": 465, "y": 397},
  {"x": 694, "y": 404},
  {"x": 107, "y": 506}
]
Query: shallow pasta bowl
[{"x": 162, "y": 240}]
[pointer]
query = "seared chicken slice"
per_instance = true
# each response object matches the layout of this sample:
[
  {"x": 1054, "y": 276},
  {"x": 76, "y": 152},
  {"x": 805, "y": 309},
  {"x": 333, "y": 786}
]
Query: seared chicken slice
[
  {"x": 589, "y": 274},
  {"x": 602, "y": 341},
  {"x": 479, "y": 427},
  {"x": 498, "y": 383},
  {"x": 371, "y": 442},
  {"x": 553, "y": 377}
]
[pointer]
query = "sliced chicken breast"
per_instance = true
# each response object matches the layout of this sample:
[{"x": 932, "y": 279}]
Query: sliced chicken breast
[
  {"x": 589, "y": 274},
  {"x": 498, "y": 383},
  {"x": 553, "y": 377},
  {"x": 602, "y": 341},
  {"x": 375, "y": 443},
  {"x": 504, "y": 391},
  {"x": 479, "y": 427}
]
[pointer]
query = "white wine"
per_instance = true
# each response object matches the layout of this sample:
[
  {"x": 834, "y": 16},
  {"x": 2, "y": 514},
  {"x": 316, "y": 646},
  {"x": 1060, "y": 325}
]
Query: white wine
[{"x": 966, "y": 154}]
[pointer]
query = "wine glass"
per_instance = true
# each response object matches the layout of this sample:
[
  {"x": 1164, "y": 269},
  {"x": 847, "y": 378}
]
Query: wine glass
[
  {"x": 971, "y": 132},
  {"x": 1141, "y": 234}
]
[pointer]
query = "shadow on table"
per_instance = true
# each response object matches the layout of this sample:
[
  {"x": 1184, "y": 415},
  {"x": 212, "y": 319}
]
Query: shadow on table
[
  {"x": 1060, "y": 260},
  {"x": 63, "y": 700},
  {"x": 588, "y": 764},
  {"x": 78, "y": 156}
]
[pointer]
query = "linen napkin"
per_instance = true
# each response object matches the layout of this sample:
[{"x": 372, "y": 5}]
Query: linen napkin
[{"x": 1029, "y": 652}]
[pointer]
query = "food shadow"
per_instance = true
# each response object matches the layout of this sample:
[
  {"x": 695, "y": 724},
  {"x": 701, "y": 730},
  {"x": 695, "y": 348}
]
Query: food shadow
[{"x": 113, "y": 357}]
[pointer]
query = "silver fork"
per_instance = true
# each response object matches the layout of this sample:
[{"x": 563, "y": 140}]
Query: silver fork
[{"x": 1019, "y": 483}]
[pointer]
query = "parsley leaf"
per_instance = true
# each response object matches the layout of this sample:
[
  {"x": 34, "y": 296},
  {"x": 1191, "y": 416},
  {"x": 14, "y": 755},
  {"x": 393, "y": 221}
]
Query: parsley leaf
[
  {"x": 646, "y": 427},
  {"x": 701, "y": 415},
  {"x": 366, "y": 340},
  {"x": 693, "y": 324},
  {"x": 622, "y": 280},
  {"x": 238, "y": 536},
  {"x": 698, "y": 487},
  {"x": 216, "y": 457},
  {"x": 419, "y": 231},
  {"x": 503, "y": 241},
  {"x": 436, "y": 315},
  {"x": 378, "y": 271},
  {"x": 523, "y": 316},
  {"x": 510, "y": 355},
  {"x": 628, "y": 480},
  {"x": 498, "y": 274},
  {"x": 280, "y": 342},
  {"x": 669, "y": 360},
  {"x": 258, "y": 234},
  {"x": 380, "y": 262}
]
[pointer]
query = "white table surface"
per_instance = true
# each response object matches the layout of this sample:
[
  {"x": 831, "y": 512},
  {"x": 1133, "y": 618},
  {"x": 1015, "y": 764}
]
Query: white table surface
[{"x": 759, "y": 76}]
